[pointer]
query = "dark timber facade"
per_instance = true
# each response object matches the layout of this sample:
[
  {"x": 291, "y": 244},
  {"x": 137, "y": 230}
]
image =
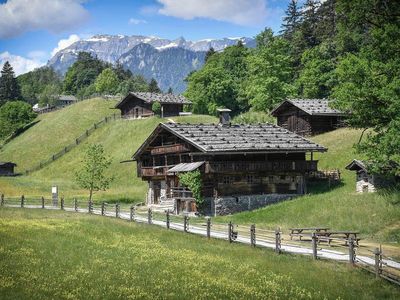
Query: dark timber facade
[
  {"x": 7, "y": 168},
  {"x": 235, "y": 161},
  {"x": 139, "y": 105},
  {"x": 308, "y": 116}
]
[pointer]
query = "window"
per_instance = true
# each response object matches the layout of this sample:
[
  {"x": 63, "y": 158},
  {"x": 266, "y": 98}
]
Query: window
[
  {"x": 271, "y": 179},
  {"x": 250, "y": 179},
  {"x": 283, "y": 177},
  {"x": 227, "y": 180}
]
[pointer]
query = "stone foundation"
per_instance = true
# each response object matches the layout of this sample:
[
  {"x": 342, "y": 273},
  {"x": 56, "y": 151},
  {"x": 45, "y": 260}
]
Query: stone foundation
[{"x": 233, "y": 204}]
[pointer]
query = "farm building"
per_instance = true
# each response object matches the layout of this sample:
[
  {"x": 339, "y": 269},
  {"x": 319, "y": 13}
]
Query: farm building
[
  {"x": 7, "y": 168},
  {"x": 308, "y": 116},
  {"x": 139, "y": 105},
  {"x": 242, "y": 167},
  {"x": 367, "y": 182},
  {"x": 64, "y": 100}
]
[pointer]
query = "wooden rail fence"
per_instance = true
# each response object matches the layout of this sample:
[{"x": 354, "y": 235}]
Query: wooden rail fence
[{"x": 371, "y": 259}]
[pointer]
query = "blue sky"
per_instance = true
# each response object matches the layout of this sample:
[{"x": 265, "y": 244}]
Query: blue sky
[{"x": 30, "y": 30}]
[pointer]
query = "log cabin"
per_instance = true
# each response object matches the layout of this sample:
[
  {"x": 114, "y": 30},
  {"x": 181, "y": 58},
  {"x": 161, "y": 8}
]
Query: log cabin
[
  {"x": 308, "y": 117},
  {"x": 7, "y": 168},
  {"x": 138, "y": 105},
  {"x": 243, "y": 167}
]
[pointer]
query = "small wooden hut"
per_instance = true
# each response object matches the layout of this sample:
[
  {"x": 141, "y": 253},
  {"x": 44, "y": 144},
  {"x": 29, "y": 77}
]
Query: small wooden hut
[
  {"x": 139, "y": 105},
  {"x": 308, "y": 116},
  {"x": 7, "y": 168}
]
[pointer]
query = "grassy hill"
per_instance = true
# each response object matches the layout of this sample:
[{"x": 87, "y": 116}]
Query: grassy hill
[
  {"x": 90, "y": 257},
  {"x": 120, "y": 139},
  {"x": 376, "y": 216}
]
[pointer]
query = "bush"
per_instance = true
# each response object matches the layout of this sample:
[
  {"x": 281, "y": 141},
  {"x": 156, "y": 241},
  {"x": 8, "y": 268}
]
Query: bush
[
  {"x": 254, "y": 117},
  {"x": 13, "y": 115},
  {"x": 192, "y": 180},
  {"x": 156, "y": 108}
]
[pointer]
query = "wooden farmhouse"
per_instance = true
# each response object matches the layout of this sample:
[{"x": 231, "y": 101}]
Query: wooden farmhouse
[
  {"x": 7, "y": 168},
  {"x": 139, "y": 105},
  {"x": 65, "y": 100},
  {"x": 308, "y": 116},
  {"x": 243, "y": 167}
]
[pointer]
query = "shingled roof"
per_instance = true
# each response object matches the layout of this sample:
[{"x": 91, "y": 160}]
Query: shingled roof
[
  {"x": 317, "y": 107},
  {"x": 155, "y": 97},
  {"x": 212, "y": 138}
]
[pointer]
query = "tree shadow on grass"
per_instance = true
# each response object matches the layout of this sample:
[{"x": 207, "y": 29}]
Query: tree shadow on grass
[{"x": 322, "y": 186}]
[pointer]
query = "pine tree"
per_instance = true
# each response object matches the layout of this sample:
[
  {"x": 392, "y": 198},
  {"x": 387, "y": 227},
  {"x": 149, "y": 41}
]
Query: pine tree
[
  {"x": 292, "y": 20},
  {"x": 153, "y": 86},
  {"x": 209, "y": 53},
  {"x": 9, "y": 88},
  {"x": 310, "y": 21}
]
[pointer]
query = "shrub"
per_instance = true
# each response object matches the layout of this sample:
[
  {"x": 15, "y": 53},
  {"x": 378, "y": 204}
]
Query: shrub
[
  {"x": 192, "y": 180},
  {"x": 13, "y": 115},
  {"x": 253, "y": 117},
  {"x": 156, "y": 108}
]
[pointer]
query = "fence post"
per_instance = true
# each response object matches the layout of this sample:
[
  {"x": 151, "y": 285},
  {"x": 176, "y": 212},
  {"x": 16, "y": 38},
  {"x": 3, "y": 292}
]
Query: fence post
[
  {"x": 149, "y": 216},
  {"x": 62, "y": 203},
  {"x": 2, "y": 200},
  {"x": 90, "y": 207},
  {"x": 208, "y": 227},
  {"x": 168, "y": 219},
  {"x": 42, "y": 202},
  {"x": 186, "y": 223},
  {"x": 87, "y": 132},
  {"x": 114, "y": 116},
  {"x": 314, "y": 245},
  {"x": 102, "y": 208},
  {"x": 278, "y": 240},
  {"x": 253, "y": 235},
  {"x": 378, "y": 261},
  {"x": 230, "y": 227},
  {"x": 117, "y": 210},
  {"x": 22, "y": 201},
  {"x": 132, "y": 216},
  {"x": 76, "y": 141},
  {"x": 75, "y": 204},
  {"x": 352, "y": 254}
]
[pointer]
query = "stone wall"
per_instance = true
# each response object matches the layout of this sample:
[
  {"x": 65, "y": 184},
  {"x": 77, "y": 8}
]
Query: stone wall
[{"x": 233, "y": 204}]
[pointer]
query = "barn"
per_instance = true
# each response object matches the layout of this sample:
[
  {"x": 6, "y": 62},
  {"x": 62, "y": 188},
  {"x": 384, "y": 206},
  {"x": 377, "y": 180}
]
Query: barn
[
  {"x": 7, "y": 168},
  {"x": 139, "y": 105},
  {"x": 308, "y": 116},
  {"x": 243, "y": 167}
]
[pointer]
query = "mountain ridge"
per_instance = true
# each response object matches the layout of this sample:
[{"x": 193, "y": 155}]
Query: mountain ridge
[{"x": 161, "y": 60}]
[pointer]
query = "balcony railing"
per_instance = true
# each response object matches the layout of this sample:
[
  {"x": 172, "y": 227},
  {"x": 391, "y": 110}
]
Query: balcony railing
[
  {"x": 240, "y": 167},
  {"x": 180, "y": 193},
  {"x": 153, "y": 171},
  {"x": 169, "y": 149},
  {"x": 245, "y": 166}
]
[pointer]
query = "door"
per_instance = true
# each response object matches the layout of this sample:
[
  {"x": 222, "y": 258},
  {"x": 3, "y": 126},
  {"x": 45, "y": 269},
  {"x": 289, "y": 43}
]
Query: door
[
  {"x": 136, "y": 112},
  {"x": 157, "y": 192}
]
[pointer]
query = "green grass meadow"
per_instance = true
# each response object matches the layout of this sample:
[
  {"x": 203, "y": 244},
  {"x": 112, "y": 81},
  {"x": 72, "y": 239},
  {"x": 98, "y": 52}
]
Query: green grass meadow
[
  {"x": 61, "y": 255},
  {"x": 376, "y": 216}
]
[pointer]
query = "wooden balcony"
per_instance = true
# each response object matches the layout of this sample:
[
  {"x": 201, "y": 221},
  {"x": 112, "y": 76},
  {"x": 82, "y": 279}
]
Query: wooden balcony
[
  {"x": 152, "y": 171},
  {"x": 176, "y": 148},
  {"x": 259, "y": 166}
]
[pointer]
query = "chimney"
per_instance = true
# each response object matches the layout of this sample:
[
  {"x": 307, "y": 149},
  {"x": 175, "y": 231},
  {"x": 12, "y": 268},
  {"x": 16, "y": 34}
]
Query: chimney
[{"x": 224, "y": 116}]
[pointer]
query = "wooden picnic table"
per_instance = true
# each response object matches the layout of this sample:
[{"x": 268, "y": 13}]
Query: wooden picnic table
[
  {"x": 300, "y": 231},
  {"x": 342, "y": 234}
]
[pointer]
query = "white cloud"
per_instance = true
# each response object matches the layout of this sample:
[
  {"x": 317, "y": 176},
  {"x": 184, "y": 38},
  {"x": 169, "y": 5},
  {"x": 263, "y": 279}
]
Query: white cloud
[
  {"x": 19, "y": 16},
  {"x": 64, "y": 43},
  {"x": 134, "y": 21},
  {"x": 20, "y": 64},
  {"x": 242, "y": 12}
]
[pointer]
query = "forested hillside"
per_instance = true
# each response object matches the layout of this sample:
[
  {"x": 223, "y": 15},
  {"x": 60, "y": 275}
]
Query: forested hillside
[{"x": 342, "y": 50}]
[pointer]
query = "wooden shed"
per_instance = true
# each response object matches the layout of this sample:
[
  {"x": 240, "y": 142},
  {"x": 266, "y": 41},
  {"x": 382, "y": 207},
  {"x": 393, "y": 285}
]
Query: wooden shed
[
  {"x": 139, "y": 105},
  {"x": 7, "y": 168},
  {"x": 65, "y": 100},
  {"x": 308, "y": 116}
]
